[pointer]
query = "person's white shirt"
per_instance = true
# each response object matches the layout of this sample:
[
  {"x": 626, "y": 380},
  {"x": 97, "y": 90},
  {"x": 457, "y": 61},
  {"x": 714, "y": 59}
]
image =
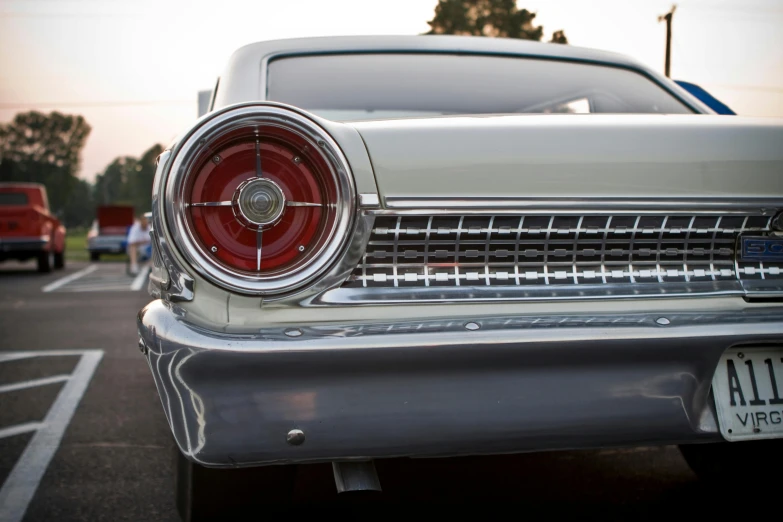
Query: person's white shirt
[
  {"x": 138, "y": 234},
  {"x": 138, "y": 238}
]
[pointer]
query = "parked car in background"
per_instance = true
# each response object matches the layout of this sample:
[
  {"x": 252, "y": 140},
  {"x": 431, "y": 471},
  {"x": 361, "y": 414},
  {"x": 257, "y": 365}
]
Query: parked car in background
[
  {"x": 706, "y": 98},
  {"x": 109, "y": 231},
  {"x": 410, "y": 246},
  {"x": 28, "y": 230}
]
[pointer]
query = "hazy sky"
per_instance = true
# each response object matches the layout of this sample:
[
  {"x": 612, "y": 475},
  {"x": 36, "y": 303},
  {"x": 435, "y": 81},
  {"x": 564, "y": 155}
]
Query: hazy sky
[{"x": 133, "y": 68}]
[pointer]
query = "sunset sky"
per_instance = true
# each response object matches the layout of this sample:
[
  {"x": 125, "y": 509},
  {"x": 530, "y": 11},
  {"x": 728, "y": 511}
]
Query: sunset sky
[{"x": 133, "y": 68}]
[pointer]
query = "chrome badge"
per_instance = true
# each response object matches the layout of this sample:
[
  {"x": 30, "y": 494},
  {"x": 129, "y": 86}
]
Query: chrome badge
[{"x": 761, "y": 248}]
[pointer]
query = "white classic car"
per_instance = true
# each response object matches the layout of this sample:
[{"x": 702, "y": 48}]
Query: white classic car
[{"x": 393, "y": 246}]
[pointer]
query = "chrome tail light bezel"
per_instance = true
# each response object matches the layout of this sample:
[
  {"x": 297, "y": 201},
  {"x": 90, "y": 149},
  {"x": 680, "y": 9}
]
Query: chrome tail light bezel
[{"x": 212, "y": 127}]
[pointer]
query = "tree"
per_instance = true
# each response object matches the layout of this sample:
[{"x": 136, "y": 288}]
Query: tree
[
  {"x": 499, "y": 18},
  {"x": 128, "y": 181},
  {"x": 46, "y": 148},
  {"x": 559, "y": 37},
  {"x": 79, "y": 209}
]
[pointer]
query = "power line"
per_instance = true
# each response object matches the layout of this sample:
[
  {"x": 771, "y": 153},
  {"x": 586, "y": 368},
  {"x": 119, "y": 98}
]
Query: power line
[
  {"x": 747, "y": 9},
  {"x": 55, "y": 105},
  {"x": 760, "y": 88},
  {"x": 75, "y": 15}
]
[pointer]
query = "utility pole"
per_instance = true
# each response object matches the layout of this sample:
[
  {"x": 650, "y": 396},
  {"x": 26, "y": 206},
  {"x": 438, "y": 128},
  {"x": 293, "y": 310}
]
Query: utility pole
[{"x": 668, "y": 18}]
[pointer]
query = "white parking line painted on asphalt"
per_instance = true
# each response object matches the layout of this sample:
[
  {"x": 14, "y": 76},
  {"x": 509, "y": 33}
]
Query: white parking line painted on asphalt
[
  {"x": 99, "y": 287},
  {"x": 19, "y": 429},
  {"x": 67, "y": 279},
  {"x": 13, "y": 356},
  {"x": 5, "y": 357},
  {"x": 104, "y": 277},
  {"x": 140, "y": 279},
  {"x": 33, "y": 383},
  {"x": 22, "y": 482}
]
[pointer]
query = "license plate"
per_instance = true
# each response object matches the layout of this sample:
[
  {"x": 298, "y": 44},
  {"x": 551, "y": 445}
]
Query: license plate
[{"x": 748, "y": 390}]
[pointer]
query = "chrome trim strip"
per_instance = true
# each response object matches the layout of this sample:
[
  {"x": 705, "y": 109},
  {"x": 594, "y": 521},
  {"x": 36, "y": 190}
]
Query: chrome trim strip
[
  {"x": 179, "y": 286},
  {"x": 367, "y": 200},
  {"x": 454, "y": 294},
  {"x": 495, "y": 329},
  {"x": 259, "y": 239},
  {"x": 32, "y": 240},
  {"x": 211, "y": 204},
  {"x": 396, "y": 205},
  {"x": 302, "y": 204}
]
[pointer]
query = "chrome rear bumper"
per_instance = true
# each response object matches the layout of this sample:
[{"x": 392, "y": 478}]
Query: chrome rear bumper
[
  {"x": 23, "y": 244},
  {"x": 441, "y": 388},
  {"x": 107, "y": 244}
]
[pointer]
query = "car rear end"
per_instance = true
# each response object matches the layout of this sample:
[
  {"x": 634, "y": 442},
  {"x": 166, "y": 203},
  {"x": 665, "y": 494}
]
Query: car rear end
[
  {"x": 458, "y": 285},
  {"x": 110, "y": 230},
  {"x": 469, "y": 321},
  {"x": 27, "y": 230}
]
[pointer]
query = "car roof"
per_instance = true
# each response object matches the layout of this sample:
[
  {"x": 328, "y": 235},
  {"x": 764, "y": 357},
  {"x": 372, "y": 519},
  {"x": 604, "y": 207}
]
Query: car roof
[
  {"x": 244, "y": 78},
  {"x": 20, "y": 184},
  {"x": 448, "y": 43}
]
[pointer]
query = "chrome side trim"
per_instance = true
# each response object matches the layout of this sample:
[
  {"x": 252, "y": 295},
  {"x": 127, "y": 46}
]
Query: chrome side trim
[
  {"x": 466, "y": 205},
  {"x": 178, "y": 286},
  {"x": 159, "y": 277},
  {"x": 369, "y": 201},
  {"x": 422, "y": 295},
  {"x": 32, "y": 240}
]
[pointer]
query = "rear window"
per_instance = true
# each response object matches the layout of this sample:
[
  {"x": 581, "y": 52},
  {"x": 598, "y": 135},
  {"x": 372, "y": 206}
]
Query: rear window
[
  {"x": 377, "y": 86},
  {"x": 13, "y": 198}
]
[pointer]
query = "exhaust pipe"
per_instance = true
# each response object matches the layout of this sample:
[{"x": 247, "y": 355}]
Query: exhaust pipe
[{"x": 355, "y": 476}]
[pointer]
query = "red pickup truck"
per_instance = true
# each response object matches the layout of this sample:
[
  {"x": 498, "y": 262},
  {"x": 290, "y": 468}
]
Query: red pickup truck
[{"x": 27, "y": 227}]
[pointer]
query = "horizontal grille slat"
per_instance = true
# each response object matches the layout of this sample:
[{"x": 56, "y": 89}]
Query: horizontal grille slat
[{"x": 556, "y": 251}]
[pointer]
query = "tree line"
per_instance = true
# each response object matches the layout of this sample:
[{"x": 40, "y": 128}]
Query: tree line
[
  {"x": 498, "y": 18},
  {"x": 46, "y": 149}
]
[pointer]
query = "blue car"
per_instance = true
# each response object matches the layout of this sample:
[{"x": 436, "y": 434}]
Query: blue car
[{"x": 706, "y": 98}]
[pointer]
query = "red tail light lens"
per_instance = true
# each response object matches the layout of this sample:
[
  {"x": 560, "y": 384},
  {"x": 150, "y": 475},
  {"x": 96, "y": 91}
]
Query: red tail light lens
[
  {"x": 264, "y": 198},
  {"x": 291, "y": 201}
]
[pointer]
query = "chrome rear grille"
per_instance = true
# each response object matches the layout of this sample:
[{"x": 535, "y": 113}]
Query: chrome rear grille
[{"x": 559, "y": 250}]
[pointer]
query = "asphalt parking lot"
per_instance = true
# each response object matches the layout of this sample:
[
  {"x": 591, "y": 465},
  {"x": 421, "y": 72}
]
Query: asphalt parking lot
[{"x": 83, "y": 436}]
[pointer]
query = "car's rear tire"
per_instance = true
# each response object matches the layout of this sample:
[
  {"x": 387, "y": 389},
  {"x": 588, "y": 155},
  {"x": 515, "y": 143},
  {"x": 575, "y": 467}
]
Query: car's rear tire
[
  {"x": 726, "y": 462},
  {"x": 45, "y": 262},
  {"x": 228, "y": 494},
  {"x": 59, "y": 259},
  {"x": 95, "y": 256}
]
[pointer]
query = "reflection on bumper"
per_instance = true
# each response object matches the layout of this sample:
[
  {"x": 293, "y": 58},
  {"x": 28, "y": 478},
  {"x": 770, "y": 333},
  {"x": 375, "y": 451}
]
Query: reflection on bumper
[{"x": 435, "y": 388}]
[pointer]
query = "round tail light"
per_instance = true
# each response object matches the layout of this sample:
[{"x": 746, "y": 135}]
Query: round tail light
[{"x": 260, "y": 199}]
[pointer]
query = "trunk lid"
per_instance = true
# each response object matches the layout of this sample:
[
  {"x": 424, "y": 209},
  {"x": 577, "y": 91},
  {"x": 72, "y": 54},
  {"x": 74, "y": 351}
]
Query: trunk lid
[
  {"x": 114, "y": 219},
  {"x": 574, "y": 157}
]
